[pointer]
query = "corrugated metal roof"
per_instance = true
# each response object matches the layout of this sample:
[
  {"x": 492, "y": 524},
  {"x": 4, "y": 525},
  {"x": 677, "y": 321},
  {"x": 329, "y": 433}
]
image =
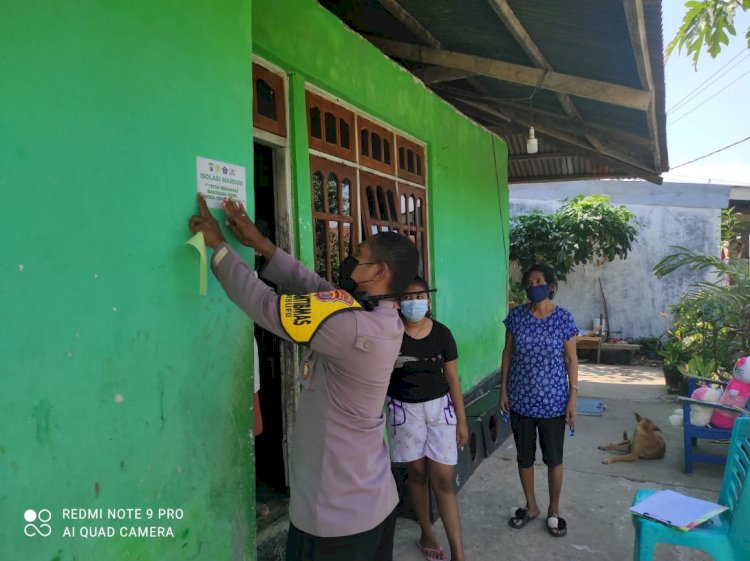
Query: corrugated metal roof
[
  {"x": 579, "y": 137},
  {"x": 446, "y": 19},
  {"x": 564, "y": 30}
]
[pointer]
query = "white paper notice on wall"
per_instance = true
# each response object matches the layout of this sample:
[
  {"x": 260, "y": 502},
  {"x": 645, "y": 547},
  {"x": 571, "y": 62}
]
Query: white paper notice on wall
[{"x": 217, "y": 180}]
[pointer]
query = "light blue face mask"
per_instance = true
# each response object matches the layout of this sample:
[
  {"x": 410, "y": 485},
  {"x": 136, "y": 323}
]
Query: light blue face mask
[{"x": 414, "y": 310}]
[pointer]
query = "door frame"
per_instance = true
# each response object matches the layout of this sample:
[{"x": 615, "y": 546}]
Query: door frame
[{"x": 285, "y": 239}]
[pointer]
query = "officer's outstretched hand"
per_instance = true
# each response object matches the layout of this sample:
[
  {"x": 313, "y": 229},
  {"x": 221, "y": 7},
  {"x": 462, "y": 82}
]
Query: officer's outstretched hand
[
  {"x": 207, "y": 224},
  {"x": 245, "y": 230}
]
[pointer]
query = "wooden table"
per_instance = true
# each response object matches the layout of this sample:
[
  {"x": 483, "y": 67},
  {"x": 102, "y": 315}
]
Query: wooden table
[
  {"x": 586, "y": 342},
  {"x": 629, "y": 347}
]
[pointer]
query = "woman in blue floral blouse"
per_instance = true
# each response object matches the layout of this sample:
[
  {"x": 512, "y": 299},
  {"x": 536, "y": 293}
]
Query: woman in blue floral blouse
[{"x": 539, "y": 389}]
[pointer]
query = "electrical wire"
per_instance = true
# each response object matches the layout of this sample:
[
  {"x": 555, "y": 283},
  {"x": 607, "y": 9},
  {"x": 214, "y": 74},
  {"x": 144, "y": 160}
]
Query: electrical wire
[
  {"x": 711, "y": 180},
  {"x": 478, "y": 96},
  {"x": 698, "y": 89},
  {"x": 712, "y": 153},
  {"x": 703, "y": 103},
  {"x": 711, "y": 96}
]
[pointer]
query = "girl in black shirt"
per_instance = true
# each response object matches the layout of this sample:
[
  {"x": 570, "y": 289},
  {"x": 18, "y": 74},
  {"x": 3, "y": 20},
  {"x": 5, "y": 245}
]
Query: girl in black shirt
[{"x": 426, "y": 418}]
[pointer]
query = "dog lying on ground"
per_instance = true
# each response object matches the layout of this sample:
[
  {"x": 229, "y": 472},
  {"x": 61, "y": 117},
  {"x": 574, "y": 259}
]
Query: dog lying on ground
[{"x": 645, "y": 444}]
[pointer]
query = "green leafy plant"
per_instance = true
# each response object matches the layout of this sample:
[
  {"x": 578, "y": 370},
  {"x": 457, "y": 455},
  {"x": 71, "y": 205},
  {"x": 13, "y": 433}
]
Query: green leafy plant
[
  {"x": 699, "y": 366},
  {"x": 673, "y": 352},
  {"x": 701, "y": 327},
  {"x": 712, "y": 320},
  {"x": 651, "y": 347},
  {"x": 729, "y": 223},
  {"x": 707, "y": 25},
  {"x": 582, "y": 230},
  {"x": 518, "y": 292}
]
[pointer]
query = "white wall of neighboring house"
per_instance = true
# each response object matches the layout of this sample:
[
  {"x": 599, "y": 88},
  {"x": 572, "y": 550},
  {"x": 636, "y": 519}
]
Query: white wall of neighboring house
[{"x": 670, "y": 214}]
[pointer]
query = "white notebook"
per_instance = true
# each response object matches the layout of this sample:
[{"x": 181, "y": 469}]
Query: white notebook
[{"x": 676, "y": 509}]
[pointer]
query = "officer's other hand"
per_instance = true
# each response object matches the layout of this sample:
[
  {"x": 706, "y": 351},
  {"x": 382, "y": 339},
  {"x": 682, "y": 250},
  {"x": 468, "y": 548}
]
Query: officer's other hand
[
  {"x": 245, "y": 230},
  {"x": 240, "y": 224}
]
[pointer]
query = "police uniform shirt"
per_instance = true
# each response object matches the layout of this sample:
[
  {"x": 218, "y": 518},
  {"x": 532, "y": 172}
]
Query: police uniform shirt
[{"x": 340, "y": 472}]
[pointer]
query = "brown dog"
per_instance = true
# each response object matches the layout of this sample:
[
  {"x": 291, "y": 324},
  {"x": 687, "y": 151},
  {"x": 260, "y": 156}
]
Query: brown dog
[{"x": 645, "y": 443}]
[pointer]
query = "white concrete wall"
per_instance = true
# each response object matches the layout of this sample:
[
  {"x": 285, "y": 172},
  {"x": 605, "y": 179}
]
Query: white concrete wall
[{"x": 672, "y": 214}]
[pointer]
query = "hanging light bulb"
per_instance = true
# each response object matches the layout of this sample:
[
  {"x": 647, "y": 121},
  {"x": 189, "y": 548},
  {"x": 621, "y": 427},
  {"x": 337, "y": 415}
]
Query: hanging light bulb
[{"x": 532, "y": 144}]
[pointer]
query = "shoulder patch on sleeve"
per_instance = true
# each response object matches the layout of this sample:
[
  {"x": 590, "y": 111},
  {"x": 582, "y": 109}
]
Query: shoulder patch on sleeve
[{"x": 302, "y": 314}]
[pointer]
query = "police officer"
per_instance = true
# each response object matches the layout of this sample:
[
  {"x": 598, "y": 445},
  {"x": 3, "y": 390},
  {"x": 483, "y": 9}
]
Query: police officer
[{"x": 343, "y": 496}]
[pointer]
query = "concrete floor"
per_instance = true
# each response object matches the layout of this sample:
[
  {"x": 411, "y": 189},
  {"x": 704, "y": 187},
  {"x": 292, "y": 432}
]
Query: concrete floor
[{"x": 595, "y": 497}]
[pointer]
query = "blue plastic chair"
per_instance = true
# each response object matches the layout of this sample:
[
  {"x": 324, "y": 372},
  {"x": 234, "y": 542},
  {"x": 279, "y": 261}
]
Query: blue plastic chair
[
  {"x": 725, "y": 537},
  {"x": 691, "y": 433}
]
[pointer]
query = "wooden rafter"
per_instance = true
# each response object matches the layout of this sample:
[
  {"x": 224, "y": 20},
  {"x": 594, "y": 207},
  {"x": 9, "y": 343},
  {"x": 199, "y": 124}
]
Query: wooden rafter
[
  {"x": 624, "y": 153},
  {"x": 412, "y": 24},
  {"x": 619, "y": 169},
  {"x": 575, "y": 143},
  {"x": 574, "y": 85},
  {"x": 486, "y": 109},
  {"x": 624, "y": 160},
  {"x": 438, "y": 74},
  {"x": 544, "y": 156},
  {"x": 639, "y": 41},
  {"x": 520, "y": 180},
  {"x": 516, "y": 28},
  {"x": 565, "y": 143},
  {"x": 611, "y": 136}
]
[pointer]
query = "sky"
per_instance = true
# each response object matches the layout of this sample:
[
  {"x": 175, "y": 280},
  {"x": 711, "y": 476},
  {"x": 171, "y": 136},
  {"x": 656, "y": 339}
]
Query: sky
[{"x": 712, "y": 116}]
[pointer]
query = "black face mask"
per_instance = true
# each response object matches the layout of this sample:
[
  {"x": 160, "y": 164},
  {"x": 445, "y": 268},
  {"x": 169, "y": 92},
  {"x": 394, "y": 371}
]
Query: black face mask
[{"x": 346, "y": 282}]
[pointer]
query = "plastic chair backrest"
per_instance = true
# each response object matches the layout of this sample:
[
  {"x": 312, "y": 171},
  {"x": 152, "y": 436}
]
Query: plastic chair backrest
[{"x": 735, "y": 487}]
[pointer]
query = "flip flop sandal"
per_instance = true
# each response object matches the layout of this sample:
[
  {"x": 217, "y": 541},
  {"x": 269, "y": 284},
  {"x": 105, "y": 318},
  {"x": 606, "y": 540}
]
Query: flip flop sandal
[
  {"x": 432, "y": 553},
  {"x": 556, "y": 526},
  {"x": 519, "y": 518}
]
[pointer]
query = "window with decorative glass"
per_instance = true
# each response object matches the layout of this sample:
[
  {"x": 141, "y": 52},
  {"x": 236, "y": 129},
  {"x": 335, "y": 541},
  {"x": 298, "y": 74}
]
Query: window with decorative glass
[
  {"x": 330, "y": 127},
  {"x": 410, "y": 160},
  {"x": 377, "y": 185},
  {"x": 269, "y": 105},
  {"x": 334, "y": 200},
  {"x": 375, "y": 146}
]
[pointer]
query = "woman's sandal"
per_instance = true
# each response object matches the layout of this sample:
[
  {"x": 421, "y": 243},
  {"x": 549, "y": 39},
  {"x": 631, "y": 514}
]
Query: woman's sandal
[
  {"x": 556, "y": 526},
  {"x": 519, "y": 518},
  {"x": 432, "y": 553}
]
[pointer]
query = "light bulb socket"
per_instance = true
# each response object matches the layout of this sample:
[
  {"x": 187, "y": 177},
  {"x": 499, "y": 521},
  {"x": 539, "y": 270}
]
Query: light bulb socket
[{"x": 532, "y": 144}]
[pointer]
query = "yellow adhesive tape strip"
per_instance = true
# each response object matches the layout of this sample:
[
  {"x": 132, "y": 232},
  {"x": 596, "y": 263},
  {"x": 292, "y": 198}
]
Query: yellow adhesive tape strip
[{"x": 199, "y": 243}]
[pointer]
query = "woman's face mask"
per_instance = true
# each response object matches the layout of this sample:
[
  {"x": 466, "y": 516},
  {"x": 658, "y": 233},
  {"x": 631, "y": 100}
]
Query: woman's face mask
[
  {"x": 414, "y": 310},
  {"x": 537, "y": 293}
]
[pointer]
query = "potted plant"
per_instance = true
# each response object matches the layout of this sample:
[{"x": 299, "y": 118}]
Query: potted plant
[
  {"x": 674, "y": 355},
  {"x": 697, "y": 366}
]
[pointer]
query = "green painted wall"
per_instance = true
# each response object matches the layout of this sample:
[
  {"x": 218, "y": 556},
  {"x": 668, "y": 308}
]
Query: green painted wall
[
  {"x": 468, "y": 192},
  {"x": 120, "y": 386}
]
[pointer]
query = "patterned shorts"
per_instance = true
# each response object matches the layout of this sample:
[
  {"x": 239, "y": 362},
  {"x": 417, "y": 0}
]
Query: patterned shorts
[{"x": 416, "y": 430}]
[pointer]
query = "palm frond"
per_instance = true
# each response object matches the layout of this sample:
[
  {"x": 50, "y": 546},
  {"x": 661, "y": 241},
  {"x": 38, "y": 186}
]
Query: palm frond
[{"x": 696, "y": 261}]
